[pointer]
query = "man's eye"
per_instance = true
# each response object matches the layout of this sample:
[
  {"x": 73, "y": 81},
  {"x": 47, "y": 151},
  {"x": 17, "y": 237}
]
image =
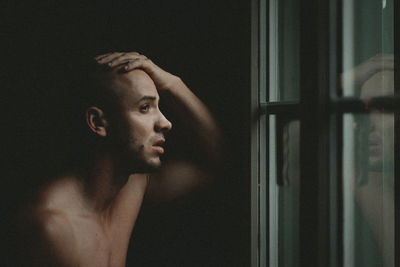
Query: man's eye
[{"x": 145, "y": 108}]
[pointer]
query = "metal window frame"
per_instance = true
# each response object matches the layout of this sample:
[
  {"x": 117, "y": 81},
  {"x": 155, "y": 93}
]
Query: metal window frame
[
  {"x": 320, "y": 113},
  {"x": 396, "y": 22}
]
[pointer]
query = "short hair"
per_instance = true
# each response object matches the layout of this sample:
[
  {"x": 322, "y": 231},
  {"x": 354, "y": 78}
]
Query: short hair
[
  {"x": 88, "y": 84},
  {"x": 93, "y": 86}
]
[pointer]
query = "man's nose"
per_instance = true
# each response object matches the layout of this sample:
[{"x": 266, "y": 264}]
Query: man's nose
[{"x": 162, "y": 124}]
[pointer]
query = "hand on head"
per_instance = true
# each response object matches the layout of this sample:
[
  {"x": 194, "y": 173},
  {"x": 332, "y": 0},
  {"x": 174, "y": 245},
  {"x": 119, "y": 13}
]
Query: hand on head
[{"x": 127, "y": 61}]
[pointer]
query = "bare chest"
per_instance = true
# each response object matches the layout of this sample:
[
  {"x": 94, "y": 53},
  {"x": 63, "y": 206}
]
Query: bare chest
[{"x": 97, "y": 246}]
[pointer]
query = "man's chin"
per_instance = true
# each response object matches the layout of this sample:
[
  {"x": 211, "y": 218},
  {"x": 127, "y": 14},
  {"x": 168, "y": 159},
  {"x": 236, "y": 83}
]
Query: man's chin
[{"x": 149, "y": 167}]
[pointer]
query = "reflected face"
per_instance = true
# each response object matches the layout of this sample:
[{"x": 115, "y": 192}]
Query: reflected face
[
  {"x": 139, "y": 127},
  {"x": 381, "y": 130}
]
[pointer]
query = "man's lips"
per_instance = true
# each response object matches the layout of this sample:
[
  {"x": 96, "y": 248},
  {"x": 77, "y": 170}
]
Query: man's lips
[{"x": 158, "y": 146}]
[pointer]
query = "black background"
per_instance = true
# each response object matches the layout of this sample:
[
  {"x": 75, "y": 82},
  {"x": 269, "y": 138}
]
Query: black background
[{"x": 206, "y": 43}]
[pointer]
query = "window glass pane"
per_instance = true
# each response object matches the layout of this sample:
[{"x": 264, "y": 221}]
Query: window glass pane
[
  {"x": 289, "y": 198},
  {"x": 284, "y": 192},
  {"x": 273, "y": 194},
  {"x": 368, "y": 190},
  {"x": 367, "y": 46},
  {"x": 284, "y": 50}
]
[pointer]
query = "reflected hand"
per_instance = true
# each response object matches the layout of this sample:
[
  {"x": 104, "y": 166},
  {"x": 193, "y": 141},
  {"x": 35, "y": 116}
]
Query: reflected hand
[
  {"x": 358, "y": 75},
  {"x": 133, "y": 60}
]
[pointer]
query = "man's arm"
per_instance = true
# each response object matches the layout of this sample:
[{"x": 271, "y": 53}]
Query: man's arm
[{"x": 179, "y": 176}]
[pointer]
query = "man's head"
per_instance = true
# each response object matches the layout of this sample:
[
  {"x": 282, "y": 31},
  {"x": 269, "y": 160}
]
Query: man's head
[
  {"x": 381, "y": 125},
  {"x": 127, "y": 120}
]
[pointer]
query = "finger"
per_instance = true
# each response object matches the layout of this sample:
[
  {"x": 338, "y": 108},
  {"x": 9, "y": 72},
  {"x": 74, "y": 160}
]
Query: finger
[
  {"x": 125, "y": 58},
  {"x": 383, "y": 57},
  {"x": 109, "y": 58},
  {"x": 388, "y": 56},
  {"x": 385, "y": 61},
  {"x": 98, "y": 57},
  {"x": 137, "y": 63}
]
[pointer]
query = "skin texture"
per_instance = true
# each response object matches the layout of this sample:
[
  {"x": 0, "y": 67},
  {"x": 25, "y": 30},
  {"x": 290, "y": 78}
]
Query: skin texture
[{"x": 85, "y": 217}]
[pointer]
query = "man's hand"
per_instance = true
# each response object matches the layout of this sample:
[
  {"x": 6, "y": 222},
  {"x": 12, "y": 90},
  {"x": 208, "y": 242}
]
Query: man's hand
[
  {"x": 133, "y": 60},
  {"x": 358, "y": 75}
]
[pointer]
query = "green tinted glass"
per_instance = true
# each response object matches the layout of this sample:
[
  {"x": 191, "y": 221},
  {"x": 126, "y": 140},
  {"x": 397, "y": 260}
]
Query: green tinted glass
[
  {"x": 367, "y": 34},
  {"x": 368, "y": 187}
]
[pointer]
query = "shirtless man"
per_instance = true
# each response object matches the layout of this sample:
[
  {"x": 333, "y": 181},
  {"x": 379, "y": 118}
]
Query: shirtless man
[{"x": 85, "y": 217}]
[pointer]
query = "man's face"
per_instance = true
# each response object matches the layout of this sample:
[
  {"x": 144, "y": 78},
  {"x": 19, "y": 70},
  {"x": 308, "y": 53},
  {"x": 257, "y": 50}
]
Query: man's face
[
  {"x": 381, "y": 125},
  {"x": 139, "y": 126}
]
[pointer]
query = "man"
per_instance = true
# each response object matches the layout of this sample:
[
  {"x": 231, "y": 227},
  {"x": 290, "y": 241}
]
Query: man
[
  {"x": 375, "y": 196},
  {"x": 374, "y": 184},
  {"x": 85, "y": 217}
]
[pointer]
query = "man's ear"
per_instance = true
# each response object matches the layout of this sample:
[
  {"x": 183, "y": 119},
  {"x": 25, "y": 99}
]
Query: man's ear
[{"x": 95, "y": 119}]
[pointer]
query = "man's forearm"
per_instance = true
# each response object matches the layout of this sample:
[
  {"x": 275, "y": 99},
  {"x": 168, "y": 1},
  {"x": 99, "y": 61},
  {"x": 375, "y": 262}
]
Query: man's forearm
[{"x": 196, "y": 117}]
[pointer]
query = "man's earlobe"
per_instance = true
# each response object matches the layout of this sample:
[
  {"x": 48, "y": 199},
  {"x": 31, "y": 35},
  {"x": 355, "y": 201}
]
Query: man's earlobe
[{"x": 96, "y": 121}]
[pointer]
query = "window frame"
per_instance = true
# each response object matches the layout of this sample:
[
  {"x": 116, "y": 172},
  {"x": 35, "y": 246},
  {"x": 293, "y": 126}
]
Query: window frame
[{"x": 320, "y": 112}]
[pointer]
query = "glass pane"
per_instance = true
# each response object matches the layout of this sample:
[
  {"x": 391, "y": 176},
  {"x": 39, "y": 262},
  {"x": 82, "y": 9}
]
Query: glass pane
[
  {"x": 368, "y": 190},
  {"x": 367, "y": 46},
  {"x": 273, "y": 195},
  {"x": 284, "y": 192},
  {"x": 284, "y": 50}
]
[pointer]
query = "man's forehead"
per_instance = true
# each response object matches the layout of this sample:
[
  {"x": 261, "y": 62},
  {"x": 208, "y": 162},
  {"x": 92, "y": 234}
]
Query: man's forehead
[{"x": 134, "y": 84}]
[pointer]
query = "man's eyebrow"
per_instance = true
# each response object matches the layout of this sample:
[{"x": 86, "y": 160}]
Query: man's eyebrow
[{"x": 146, "y": 97}]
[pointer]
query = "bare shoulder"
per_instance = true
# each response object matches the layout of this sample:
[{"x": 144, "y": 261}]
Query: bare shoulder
[
  {"x": 55, "y": 226},
  {"x": 46, "y": 238}
]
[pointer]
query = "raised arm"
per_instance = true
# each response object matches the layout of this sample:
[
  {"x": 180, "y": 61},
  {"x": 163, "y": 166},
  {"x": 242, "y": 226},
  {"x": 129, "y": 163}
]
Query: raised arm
[{"x": 179, "y": 176}]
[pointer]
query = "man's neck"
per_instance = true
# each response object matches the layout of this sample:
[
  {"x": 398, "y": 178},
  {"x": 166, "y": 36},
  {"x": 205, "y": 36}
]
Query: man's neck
[{"x": 102, "y": 181}]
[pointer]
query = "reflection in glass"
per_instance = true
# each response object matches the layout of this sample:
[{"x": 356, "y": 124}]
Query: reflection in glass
[
  {"x": 284, "y": 198},
  {"x": 284, "y": 50},
  {"x": 368, "y": 188},
  {"x": 289, "y": 198},
  {"x": 367, "y": 42}
]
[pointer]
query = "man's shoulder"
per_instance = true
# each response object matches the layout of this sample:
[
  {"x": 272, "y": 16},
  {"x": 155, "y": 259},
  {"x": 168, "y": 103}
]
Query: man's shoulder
[
  {"x": 45, "y": 236},
  {"x": 46, "y": 225},
  {"x": 53, "y": 223},
  {"x": 51, "y": 210}
]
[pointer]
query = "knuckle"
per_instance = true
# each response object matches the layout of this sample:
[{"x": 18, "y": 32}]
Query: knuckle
[{"x": 132, "y": 54}]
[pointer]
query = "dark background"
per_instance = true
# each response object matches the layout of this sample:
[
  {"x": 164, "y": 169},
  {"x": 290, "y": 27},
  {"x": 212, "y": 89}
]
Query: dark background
[{"x": 206, "y": 43}]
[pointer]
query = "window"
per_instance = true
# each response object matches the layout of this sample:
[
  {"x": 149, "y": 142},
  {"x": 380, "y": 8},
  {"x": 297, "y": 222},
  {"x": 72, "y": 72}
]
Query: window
[{"x": 325, "y": 149}]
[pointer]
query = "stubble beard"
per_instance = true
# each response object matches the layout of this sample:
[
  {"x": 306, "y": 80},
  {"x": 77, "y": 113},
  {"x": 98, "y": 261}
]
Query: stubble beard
[
  {"x": 139, "y": 162},
  {"x": 136, "y": 157}
]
